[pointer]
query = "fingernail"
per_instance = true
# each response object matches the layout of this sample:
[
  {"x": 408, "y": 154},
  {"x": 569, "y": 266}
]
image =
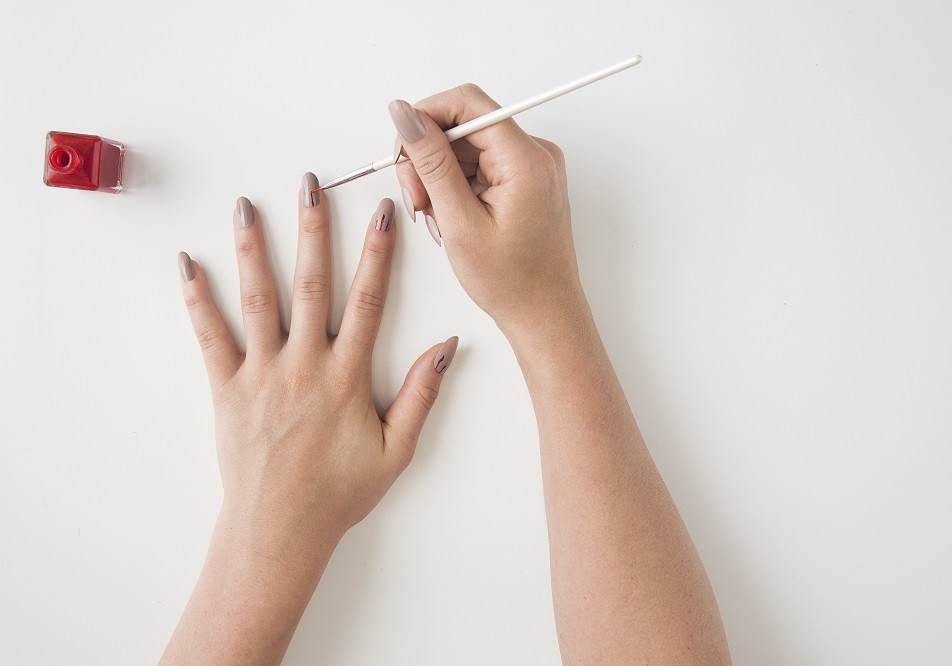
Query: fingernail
[
  {"x": 408, "y": 202},
  {"x": 445, "y": 355},
  {"x": 309, "y": 197},
  {"x": 246, "y": 212},
  {"x": 383, "y": 218},
  {"x": 185, "y": 267},
  {"x": 397, "y": 149},
  {"x": 434, "y": 230},
  {"x": 407, "y": 121}
]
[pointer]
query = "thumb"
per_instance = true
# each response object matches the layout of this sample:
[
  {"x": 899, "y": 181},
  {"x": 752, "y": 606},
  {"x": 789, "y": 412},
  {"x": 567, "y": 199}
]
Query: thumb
[
  {"x": 436, "y": 164},
  {"x": 406, "y": 416}
]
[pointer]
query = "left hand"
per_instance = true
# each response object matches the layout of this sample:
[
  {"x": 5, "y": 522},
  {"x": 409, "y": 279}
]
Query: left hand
[{"x": 303, "y": 453}]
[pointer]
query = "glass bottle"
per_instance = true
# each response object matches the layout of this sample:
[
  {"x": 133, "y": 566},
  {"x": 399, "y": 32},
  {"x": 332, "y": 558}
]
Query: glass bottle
[{"x": 83, "y": 162}]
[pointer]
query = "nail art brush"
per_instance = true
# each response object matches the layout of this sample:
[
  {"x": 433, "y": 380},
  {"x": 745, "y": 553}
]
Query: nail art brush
[{"x": 491, "y": 118}]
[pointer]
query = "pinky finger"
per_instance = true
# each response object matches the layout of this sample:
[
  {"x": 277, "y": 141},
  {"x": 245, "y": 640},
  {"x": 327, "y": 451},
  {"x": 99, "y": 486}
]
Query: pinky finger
[{"x": 218, "y": 347}]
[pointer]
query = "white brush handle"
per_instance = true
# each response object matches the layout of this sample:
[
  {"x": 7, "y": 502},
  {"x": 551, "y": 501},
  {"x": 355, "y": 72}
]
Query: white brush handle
[{"x": 494, "y": 117}]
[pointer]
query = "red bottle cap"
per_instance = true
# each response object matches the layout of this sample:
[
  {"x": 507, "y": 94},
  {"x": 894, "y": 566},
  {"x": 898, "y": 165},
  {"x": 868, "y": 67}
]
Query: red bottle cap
[{"x": 64, "y": 159}]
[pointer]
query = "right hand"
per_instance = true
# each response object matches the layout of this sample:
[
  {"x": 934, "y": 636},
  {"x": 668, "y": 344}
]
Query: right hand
[{"x": 499, "y": 200}]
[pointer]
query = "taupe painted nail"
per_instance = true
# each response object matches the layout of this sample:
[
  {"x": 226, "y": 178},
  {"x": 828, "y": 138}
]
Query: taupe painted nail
[
  {"x": 434, "y": 230},
  {"x": 246, "y": 212},
  {"x": 383, "y": 218},
  {"x": 397, "y": 149},
  {"x": 185, "y": 267},
  {"x": 309, "y": 197},
  {"x": 444, "y": 356},
  {"x": 408, "y": 202},
  {"x": 407, "y": 121}
]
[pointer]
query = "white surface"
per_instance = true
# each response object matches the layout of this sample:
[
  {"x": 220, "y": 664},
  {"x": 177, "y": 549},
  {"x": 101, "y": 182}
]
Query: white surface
[{"x": 764, "y": 225}]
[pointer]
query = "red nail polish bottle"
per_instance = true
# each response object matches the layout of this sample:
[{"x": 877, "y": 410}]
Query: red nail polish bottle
[{"x": 83, "y": 162}]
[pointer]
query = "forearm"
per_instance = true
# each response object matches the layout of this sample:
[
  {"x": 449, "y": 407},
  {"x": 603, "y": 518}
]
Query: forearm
[
  {"x": 253, "y": 589},
  {"x": 628, "y": 584}
]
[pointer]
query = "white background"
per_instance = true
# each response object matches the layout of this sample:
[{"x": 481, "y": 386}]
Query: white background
[{"x": 763, "y": 218}]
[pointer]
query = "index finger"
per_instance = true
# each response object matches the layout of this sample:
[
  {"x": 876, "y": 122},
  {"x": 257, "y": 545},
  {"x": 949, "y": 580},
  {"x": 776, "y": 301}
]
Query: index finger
[{"x": 490, "y": 150}]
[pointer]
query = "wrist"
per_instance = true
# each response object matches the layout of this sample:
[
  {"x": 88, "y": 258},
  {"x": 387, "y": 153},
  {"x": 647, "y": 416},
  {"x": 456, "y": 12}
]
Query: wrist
[
  {"x": 253, "y": 589},
  {"x": 552, "y": 336},
  {"x": 260, "y": 531}
]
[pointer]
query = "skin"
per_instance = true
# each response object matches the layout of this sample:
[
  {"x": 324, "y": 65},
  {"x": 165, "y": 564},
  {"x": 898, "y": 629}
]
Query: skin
[
  {"x": 628, "y": 585},
  {"x": 304, "y": 455}
]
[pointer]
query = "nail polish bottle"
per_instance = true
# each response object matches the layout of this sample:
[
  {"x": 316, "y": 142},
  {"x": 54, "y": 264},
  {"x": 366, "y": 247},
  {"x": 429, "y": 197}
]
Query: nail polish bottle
[{"x": 83, "y": 162}]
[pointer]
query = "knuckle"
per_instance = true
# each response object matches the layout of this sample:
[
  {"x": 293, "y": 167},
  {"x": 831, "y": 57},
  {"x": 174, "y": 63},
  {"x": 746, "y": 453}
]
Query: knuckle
[
  {"x": 246, "y": 247},
  {"x": 209, "y": 339},
  {"x": 193, "y": 301},
  {"x": 314, "y": 225},
  {"x": 404, "y": 454},
  {"x": 367, "y": 302},
  {"x": 551, "y": 163},
  {"x": 313, "y": 286},
  {"x": 471, "y": 90},
  {"x": 257, "y": 301},
  {"x": 426, "y": 395},
  {"x": 346, "y": 381},
  {"x": 556, "y": 152},
  {"x": 376, "y": 248},
  {"x": 300, "y": 383},
  {"x": 227, "y": 393},
  {"x": 433, "y": 166}
]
